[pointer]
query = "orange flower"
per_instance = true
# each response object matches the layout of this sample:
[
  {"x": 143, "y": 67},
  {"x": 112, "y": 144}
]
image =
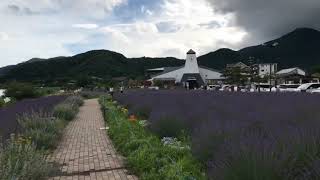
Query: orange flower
[{"x": 132, "y": 118}]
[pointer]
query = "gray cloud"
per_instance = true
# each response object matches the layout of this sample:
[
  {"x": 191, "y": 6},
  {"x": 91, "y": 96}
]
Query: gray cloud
[
  {"x": 210, "y": 25},
  {"x": 15, "y": 9},
  {"x": 265, "y": 19},
  {"x": 168, "y": 27}
]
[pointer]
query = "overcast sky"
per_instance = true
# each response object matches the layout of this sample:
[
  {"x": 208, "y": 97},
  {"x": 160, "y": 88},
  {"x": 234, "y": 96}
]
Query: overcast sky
[{"x": 49, "y": 28}]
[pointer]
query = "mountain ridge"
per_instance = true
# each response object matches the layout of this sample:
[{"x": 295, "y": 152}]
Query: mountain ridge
[{"x": 297, "y": 48}]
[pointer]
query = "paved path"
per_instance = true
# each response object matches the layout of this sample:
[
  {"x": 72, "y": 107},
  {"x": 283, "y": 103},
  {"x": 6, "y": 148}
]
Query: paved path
[{"x": 86, "y": 152}]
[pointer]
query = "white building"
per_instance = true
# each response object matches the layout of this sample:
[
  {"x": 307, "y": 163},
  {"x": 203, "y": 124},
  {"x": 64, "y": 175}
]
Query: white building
[
  {"x": 190, "y": 74},
  {"x": 291, "y": 76},
  {"x": 266, "y": 69},
  {"x": 292, "y": 71}
]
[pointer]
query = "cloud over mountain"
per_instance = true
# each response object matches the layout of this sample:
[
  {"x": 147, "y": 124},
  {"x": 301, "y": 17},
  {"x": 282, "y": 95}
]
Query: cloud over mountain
[
  {"x": 268, "y": 19},
  {"x": 47, "y": 28}
]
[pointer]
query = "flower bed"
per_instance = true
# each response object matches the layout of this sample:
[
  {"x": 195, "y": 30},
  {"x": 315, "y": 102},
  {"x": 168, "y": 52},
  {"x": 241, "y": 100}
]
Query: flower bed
[
  {"x": 247, "y": 136},
  {"x": 9, "y": 115},
  {"x": 23, "y": 156},
  {"x": 148, "y": 156}
]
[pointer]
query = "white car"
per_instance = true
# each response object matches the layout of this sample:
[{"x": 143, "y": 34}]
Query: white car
[
  {"x": 213, "y": 87},
  {"x": 308, "y": 87},
  {"x": 225, "y": 88},
  {"x": 314, "y": 91},
  {"x": 153, "y": 88},
  {"x": 288, "y": 87}
]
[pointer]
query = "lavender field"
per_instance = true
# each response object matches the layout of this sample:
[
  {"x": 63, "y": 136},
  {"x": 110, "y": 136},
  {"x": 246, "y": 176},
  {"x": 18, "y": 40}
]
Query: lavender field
[
  {"x": 238, "y": 135},
  {"x": 8, "y": 115}
]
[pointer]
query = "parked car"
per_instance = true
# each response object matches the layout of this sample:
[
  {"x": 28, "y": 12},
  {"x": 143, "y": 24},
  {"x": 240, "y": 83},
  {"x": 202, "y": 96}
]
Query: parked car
[
  {"x": 314, "y": 91},
  {"x": 308, "y": 87},
  {"x": 213, "y": 87},
  {"x": 265, "y": 88},
  {"x": 225, "y": 88},
  {"x": 288, "y": 87},
  {"x": 153, "y": 88}
]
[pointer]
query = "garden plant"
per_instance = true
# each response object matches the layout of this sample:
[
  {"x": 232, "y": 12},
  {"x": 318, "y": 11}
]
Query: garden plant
[
  {"x": 238, "y": 136},
  {"x": 23, "y": 156},
  {"x": 148, "y": 155}
]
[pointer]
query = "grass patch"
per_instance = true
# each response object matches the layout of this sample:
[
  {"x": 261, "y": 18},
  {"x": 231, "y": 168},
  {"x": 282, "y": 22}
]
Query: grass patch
[{"x": 147, "y": 156}]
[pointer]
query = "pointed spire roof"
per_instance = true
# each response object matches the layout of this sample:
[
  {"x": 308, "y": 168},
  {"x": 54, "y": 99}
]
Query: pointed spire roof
[{"x": 191, "y": 52}]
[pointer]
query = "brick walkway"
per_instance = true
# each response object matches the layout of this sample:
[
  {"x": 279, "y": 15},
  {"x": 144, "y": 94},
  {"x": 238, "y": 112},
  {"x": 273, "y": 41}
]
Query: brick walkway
[{"x": 86, "y": 152}]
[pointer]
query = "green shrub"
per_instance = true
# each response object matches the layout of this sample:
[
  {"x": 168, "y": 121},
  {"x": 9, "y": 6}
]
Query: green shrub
[
  {"x": 74, "y": 100},
  {"x": 2, "y": 103},
  {"x": 143, "y": 113},
  {"x": 21, "y": 91},
  {"x": 92, "y": 94},
  {"x": 184, "y": 169},
  {"x": 44, "y": 131},
  {"x": 135, "y": 144},
  {"x": 45, "y": 91},
  {"x": 65, "y": 111},
  {"x": 21, "y": 161},
  {"x": 103, "y": 100},
  {"x": 69, "y": 108}
]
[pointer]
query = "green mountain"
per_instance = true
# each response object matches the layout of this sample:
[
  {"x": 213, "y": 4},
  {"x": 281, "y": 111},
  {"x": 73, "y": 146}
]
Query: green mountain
[
  {"x": 298, "y": 48},
  {"x": 220, "y": 58},
  {"x": 98, "y": 63},
  {"x": 39, "y": 59}
]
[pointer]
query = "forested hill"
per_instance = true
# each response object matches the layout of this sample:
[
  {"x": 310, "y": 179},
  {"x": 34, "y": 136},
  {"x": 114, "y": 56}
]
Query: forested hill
[
  {"x": 98, "y": 63},
  {"x": 298, "y": 48}
]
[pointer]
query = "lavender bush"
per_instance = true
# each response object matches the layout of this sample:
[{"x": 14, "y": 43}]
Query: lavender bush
[
  {"x": 19, "y": 159},
  {"x": 9, "y": 115},
  {"x": 240, "y": 135},
  {"x": 43, "y": 129}
]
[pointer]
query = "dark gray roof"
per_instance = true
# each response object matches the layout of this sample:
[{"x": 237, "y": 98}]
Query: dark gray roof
[
  {"x": 238, "y": 64},
  {"x": 167, "y": 70},
  {"x": 211, "y": 69},
  {"x": 191, "y": 52}
]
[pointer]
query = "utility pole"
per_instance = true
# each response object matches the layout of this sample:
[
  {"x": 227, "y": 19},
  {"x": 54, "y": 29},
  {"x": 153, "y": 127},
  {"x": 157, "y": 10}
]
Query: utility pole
[{"x": 270, "y": 77}]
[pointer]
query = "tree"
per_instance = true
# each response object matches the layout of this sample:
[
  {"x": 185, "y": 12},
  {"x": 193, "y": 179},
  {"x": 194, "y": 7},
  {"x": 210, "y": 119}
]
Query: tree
[
  {"x": 316, "y": 69},
  {"x": 2, "y": 103},
  {"x": 21, "y": 91},
  {"x": 83, "y": 81},
  {"x": 235, "y": 75}
]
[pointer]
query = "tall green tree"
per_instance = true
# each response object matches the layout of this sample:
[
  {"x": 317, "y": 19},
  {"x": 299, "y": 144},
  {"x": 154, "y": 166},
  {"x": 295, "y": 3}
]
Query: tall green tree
[{"x": 235, "y": 76}]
